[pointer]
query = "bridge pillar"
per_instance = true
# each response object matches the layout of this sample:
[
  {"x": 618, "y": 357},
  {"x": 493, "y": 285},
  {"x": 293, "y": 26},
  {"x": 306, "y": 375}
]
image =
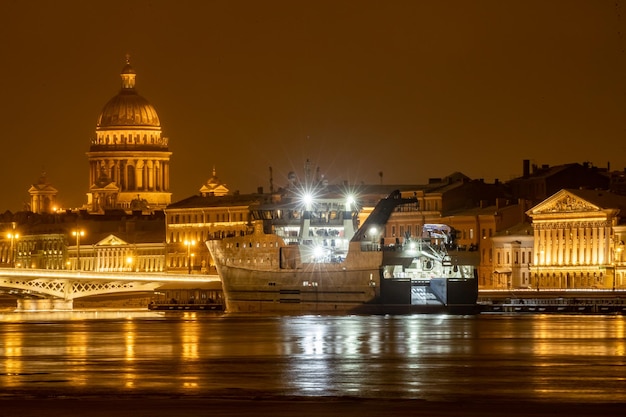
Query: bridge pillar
[{"x": 44, "y": 304}]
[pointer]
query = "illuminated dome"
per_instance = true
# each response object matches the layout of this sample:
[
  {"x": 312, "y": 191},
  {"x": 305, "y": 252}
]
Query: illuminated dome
[{"x": 128, "y": 108}]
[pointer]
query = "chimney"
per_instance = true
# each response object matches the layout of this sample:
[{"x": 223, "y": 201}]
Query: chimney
[{"x": 526, "y": 168}]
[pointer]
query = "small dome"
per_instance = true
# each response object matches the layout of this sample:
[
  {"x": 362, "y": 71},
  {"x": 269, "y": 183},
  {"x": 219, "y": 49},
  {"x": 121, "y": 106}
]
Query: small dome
[{"x": 128, "y": 108}]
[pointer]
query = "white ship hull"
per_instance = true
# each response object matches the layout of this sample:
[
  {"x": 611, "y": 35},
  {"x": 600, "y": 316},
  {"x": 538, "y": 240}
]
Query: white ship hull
[{"x": 262, "y": 275}]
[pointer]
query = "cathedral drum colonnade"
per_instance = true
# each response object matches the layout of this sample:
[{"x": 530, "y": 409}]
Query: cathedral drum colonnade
[{"x": 129, "y": 158}]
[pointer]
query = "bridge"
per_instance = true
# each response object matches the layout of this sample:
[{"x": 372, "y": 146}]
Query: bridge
[{"x": 46, "y": 289}]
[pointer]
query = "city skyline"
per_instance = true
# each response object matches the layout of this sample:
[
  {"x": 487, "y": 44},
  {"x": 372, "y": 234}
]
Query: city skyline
[{"x": 410, "y": 89}]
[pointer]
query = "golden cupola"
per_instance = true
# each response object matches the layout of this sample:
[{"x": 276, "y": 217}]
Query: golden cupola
[{"x": 128, "y": 151}]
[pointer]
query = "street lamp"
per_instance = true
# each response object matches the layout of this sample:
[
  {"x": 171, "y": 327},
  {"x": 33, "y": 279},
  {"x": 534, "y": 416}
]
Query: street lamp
[
  {"x": 189, "y": 244},
  {"x": 129, "y": 262},
  {"x": 13, "y": 236},
  {"x": 78, "y": 233}
]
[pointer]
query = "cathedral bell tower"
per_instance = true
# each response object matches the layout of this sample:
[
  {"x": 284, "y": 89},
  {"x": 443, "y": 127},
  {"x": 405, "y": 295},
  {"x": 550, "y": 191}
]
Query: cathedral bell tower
[{"x": 129, "y": 160}]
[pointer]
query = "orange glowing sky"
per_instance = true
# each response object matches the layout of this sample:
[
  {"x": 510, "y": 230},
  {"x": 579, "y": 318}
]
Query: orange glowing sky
[{"x": 412, "y": 88}]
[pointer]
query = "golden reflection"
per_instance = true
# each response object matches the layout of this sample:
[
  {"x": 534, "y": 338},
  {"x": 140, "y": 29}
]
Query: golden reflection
[
  {"x": 129, "y": 339},
  {"x": 76, "y": 349},
  {"x": 620, "y": 328},
  {"x": 11, "y": 354},
  {"x": 76, "y": 345},
  {"x": 130, "y": 331},
  {"x": 567, "y": 337},
  {"x": 190, "y": 340}
]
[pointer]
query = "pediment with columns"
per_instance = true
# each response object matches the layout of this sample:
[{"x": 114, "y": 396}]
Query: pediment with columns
[
  {"x": 110, "y": 187},
  {"x": 111, "y": 240},
  {"x": 563, "y": 202}
]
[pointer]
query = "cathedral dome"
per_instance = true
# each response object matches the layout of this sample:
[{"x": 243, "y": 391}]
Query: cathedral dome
[{"x": 128, "y": 108}]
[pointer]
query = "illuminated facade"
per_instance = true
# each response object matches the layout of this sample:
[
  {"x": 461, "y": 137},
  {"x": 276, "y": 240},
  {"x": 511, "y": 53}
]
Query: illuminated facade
[
  {"x": 192, "y": 221},
  {"x": 129, "y": 160},
  {"x": 579, "y": 241},
  {"x": 512, "y": 258},
  {"x": 42, "y": 196},
  {"x": 114, "y": 254},
  {"x": 213, "y": 186}
]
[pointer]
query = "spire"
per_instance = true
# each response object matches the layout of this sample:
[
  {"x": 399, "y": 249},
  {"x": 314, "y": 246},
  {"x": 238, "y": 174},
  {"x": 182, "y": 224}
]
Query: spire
[{"x": 128, "y": 75}]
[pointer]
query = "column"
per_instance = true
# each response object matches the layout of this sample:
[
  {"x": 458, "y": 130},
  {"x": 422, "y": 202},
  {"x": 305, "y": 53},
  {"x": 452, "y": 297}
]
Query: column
[
  {"x": 115, "y": 175},
  {"x": 594, "y": 245},
  {"x": 157, "y": 176},
  {"x": 551, "y": 249},
  {"x": 150, "y": 184},
  {"x": 561, "y": 245},
  {"x": 601, "y": 245},
  {"x": 138, "y": 175},
  {"x": 554, "y": 236},
  {"x": 98, "y": 266},
  {"x": 574, "y": 232},
  {"x": 166, "y": 173},
  {"x": 582, "y": 238},
  {"x": 121, "y": 175},
  {"x": 567, "y": 259},
  {"x": 144, "y": 174}
]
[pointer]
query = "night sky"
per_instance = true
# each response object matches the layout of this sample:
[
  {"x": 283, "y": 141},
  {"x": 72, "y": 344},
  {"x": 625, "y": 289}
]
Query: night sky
[{"x": 415, "y": 89}]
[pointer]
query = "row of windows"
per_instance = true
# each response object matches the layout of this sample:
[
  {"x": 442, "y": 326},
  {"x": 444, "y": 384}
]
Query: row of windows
[
  {"x": 202, "y": 235},
  {"x": 206, "y": 217},
  {"x": 525, "y": 255},
  {"x": 154, "y": 138},
  {"x": 250, "y": 245}
]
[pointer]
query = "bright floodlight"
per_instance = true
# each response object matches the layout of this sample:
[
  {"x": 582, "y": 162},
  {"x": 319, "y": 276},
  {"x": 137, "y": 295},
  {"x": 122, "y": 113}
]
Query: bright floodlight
[
  {"x": 349, "y": 201},
  {"x": 307, "y": 198},
  {"x": 318, "y": 252}
]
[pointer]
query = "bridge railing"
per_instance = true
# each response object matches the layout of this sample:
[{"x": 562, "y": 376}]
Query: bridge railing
[{"x": 33, "y": 273}]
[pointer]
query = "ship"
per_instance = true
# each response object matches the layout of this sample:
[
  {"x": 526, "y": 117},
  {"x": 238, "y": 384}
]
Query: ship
[{"x": 295, "y": 262}]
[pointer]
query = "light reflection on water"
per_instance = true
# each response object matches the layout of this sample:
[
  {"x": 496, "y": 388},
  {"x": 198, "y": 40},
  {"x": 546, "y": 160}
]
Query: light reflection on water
[
  {"x": 555, "y": 358},
  {"x": 76, "y": 315}
]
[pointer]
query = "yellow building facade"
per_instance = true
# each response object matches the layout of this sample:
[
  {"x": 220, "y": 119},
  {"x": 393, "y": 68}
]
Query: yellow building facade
[{"x": 578, "y": 241}]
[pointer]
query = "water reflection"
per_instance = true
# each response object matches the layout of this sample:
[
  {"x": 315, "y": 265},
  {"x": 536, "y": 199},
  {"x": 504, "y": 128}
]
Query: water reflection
[
  {"x": 562, "y": 358},
  {"x": 12, "y": 352}
]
